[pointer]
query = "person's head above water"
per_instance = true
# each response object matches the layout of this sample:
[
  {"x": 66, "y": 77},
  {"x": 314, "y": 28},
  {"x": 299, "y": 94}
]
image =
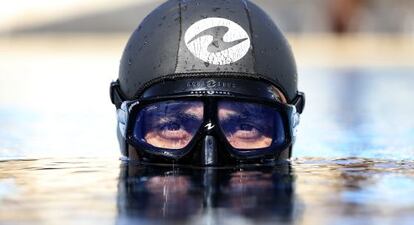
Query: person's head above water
[{"x": 207, "y": 83}]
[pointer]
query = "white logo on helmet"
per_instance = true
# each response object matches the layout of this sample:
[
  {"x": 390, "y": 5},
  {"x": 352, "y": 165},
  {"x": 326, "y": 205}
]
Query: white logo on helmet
[{"x": 217, "y": 41}]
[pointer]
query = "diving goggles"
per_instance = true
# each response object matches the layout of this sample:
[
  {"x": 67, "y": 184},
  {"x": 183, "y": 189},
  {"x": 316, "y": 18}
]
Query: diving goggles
[{"x": 171, "y": 125}]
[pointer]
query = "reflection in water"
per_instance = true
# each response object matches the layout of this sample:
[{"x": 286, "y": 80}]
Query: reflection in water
[
  {"x": 199, "y": 196},
  {"x": 362, "y": 191},
  {"x": 312, "y": 191}
]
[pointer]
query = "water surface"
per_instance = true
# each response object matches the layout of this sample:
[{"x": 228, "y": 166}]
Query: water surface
[{"x": 307, "y": 191}]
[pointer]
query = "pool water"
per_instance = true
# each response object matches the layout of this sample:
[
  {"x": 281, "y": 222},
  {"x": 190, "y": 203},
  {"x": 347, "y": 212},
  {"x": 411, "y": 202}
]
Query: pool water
[
  {"x": 353, "y": 161},
  {"x": 307, "y": 191}
]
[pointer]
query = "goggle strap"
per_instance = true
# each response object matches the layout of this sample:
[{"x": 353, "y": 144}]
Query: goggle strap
[
  {"x": 299, "y": 102},
  {"x": 116, "y": 95}
]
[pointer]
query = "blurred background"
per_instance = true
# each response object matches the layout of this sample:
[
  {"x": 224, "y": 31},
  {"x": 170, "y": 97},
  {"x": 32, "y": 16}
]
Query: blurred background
[
  {"x": 355, "y": 145},
  {"x": 57, "y": 59},
  {"x": 295, "y": 16}
]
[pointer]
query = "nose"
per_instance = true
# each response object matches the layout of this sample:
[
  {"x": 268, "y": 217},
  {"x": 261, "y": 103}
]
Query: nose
[{"x": 209, "y": 151}]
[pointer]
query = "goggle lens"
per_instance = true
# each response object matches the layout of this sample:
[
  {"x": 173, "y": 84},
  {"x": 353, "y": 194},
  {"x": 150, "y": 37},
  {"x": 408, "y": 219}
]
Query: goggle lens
[
  {"x": 249, "y": 126},
  {"x": 174, "y": 124},
  {"x": 169, "y": 125}
]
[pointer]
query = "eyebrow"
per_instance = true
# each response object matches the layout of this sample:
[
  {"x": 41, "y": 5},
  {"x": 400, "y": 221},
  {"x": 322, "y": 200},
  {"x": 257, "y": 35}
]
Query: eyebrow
[
  {"x": 245, "y": 110},
  {"x": 177, "y": 112},
  {"x": 257, "y": 116}
]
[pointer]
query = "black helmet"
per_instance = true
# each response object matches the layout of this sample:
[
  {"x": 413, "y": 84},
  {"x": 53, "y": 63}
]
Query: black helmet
[{"x": 218, "y": 42}]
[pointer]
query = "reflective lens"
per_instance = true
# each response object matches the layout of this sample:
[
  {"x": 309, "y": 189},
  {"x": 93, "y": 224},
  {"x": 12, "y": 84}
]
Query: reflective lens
[
  {"x": 250, "y": 126},
  {"x": 169, "y": 124}
]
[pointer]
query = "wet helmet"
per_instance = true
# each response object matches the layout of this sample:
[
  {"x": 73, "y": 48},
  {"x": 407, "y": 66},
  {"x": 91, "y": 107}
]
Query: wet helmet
[{"x": 205, "y": 49}]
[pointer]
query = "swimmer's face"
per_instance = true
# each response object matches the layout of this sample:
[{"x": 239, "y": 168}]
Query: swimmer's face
[
  {"x": 174, "y": 126},
  {"x": 245, "y": 125},
  {"x": 248, "y": 125}
]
